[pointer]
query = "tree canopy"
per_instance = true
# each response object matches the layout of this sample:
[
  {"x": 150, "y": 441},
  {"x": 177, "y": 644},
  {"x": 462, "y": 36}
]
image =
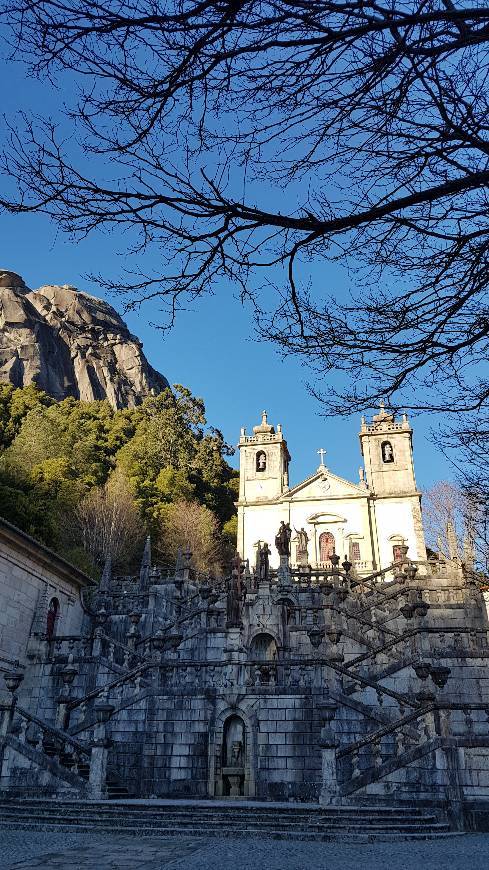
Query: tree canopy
[{"x": 69, "y": 467}]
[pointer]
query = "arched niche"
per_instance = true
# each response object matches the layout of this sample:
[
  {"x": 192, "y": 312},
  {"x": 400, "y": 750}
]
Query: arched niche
[
  {"x": 263, "y": 648},
  {"x": 387, "y": 452},
  {"x": 51, "y": 618},
  {"x": 261, "y": 461}
]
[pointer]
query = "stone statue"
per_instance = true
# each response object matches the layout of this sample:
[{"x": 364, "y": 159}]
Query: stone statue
[
  {"x": 234, "y": 596},
  {"x": 282, "y": 539},
  {"x": 302, "y": 542},
  {"x": 263, "y": 562},
  {"x": 261, "y": 462},
  {"x": 387, "y": 452},
  {"x": 236, "y": 759}
]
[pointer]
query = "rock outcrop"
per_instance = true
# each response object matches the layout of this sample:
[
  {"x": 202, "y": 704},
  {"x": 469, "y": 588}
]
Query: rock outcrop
[{"x": 70, "y": 344}]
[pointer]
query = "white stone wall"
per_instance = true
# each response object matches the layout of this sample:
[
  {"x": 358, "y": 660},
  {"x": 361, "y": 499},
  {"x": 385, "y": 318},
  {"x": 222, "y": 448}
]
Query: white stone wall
[
  {"x": 29, "y": 577},
  {"x": 394, "y": 516}
]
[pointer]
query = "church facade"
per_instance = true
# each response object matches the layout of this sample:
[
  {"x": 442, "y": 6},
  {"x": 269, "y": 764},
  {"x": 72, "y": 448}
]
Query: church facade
[{"x": 364, "y": 522}]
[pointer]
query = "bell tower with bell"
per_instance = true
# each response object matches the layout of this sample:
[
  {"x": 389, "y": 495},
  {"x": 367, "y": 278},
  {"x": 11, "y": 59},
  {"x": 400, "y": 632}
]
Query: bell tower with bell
[
  {"x": 387, "y": 450},
  {"x": 263, "y": 463},
  {"x": 395, "y": 501}
]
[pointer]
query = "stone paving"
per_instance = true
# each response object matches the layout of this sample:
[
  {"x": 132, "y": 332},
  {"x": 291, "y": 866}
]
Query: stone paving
[{"x": 26, "y": 850}]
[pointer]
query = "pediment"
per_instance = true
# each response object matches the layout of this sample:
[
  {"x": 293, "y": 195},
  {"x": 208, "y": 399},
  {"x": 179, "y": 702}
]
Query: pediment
[
  {"x": 324, "y": 485},
  {"x": 325, "y": 517}
]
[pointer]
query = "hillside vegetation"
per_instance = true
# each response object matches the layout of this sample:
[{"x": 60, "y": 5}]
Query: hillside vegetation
[{"x": 88, "y": 480}]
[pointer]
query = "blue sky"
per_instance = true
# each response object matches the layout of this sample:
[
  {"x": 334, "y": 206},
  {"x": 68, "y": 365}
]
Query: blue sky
[{"x": 211, "y": 349}]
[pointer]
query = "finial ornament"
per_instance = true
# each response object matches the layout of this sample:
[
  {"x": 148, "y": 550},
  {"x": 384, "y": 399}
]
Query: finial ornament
[{"x": 322, "y": 454}]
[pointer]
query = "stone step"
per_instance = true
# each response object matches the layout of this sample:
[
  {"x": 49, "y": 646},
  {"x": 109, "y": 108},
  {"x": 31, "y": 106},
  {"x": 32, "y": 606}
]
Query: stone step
[
  {"x": 221, "y": 807},
  {"x": 207, "y": 819},
  {"x": 191, "y": 817},
  {"x": 352, "y": 835},
  {"x": 191, "y": 821}
]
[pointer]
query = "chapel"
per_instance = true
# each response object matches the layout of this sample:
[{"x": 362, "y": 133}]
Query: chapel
[{"x": 365, "y": 522}]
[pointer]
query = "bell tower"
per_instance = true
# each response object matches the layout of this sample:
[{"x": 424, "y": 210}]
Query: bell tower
[
  {"x": 263, "y": 463},
  {"x": 395, "y": 501},
  {"x": 387, "y": 450}
]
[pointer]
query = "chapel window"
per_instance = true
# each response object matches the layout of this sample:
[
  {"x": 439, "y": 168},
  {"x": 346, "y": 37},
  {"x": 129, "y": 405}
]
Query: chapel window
[
  {"x": 52, "y": 616},
  {"x": 354, "y": 551},
  {"x": 261, "y": 461},
  {"x": 326, "y": 546},
  {"x": 387, "y": 451}
]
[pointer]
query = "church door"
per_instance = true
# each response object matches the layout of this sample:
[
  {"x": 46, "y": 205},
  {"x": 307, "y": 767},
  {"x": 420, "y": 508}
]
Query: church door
[{"x": 326, "y": 546}]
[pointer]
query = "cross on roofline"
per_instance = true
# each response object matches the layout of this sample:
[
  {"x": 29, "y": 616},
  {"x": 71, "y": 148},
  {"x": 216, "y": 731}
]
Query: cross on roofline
[{"x": 322, "y": 454}]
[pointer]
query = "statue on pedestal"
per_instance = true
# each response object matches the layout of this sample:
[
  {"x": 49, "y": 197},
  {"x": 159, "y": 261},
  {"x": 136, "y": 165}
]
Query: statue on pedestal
[
  {"x": 282, "y": 539},
  {"x": 302, "y": 542},
  {"x": 234, "y": 596},
  {"x": 263, "y": 562}
]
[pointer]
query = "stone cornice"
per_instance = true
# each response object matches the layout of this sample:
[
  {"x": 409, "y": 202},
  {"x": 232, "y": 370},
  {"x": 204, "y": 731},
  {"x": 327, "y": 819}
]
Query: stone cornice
[{"x": 44, "y": 557}]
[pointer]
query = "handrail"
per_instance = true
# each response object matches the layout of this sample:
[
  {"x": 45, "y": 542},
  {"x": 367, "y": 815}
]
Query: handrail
[
  {"x": 61, "y": 735},
  {"x": 13, "y": 662},
  {"x": 139, "y": 669},
  {"x": 401, "y": 699},
  {"x": 176, "y": 622},
  {"x": 373, "y": 736},
  {"x": 411, "y": 632},
  {"x": 120, "y": 645}
]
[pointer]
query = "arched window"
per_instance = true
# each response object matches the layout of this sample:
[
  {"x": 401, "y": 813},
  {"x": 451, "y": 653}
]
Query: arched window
[
  {"x": 52, "y": 616},
  {"x": 387, "y": 451},
  {"x": 261, "y": 460},
  {"x": 326, "y": 546},
  {"x": 354, "y": 551}
]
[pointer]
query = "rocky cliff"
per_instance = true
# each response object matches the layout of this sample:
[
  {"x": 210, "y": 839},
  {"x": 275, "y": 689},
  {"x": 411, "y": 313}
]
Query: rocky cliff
[{"x": 70, "y": 344}]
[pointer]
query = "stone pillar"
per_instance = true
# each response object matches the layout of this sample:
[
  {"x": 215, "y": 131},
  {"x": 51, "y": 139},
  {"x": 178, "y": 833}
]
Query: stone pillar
[
  {"x": 283, "y": 574},
  {"x": 13, "y": 680},
  {"x": 99, "y": 753},
  {"x": 329, "y": 781},
  {"x": 234, "y": 646}
]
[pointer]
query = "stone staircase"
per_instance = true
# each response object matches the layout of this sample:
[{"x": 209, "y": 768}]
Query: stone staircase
[{"x": 307, "y": 822}]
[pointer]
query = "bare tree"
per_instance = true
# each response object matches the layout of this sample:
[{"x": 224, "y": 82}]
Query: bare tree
[
  {"x": 107, "y": 523},
  {"x": 247, "y": 138},
  {"x": 456, "y": 521},
  {"x": 446, "y": 519},
  {"x": 187, "y": 525}
]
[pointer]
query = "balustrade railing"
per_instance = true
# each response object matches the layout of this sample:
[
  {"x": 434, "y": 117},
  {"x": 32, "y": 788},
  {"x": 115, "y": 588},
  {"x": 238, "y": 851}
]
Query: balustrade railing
[
  {"x": 411, "y": 731},
  {"x": 53, "y": 742}
]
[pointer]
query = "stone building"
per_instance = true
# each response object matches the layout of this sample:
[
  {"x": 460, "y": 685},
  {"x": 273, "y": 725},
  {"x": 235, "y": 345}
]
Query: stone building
[
  {"x": 40, "y": 594},
  {"x": 283, "y": 681}
]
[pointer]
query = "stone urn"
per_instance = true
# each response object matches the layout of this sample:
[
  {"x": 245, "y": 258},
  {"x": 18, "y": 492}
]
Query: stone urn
[{"x": 13, "y": 680}]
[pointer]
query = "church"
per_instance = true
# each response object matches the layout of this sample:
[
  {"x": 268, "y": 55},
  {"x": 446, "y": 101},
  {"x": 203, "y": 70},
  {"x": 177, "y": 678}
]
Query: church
[
  {"x": 339, "y": 694},
  {"x": 365, "y": 522}
]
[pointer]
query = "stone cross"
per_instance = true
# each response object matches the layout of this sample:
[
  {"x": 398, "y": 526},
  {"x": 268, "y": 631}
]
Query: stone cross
[{"x": 322, "y": 454}]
